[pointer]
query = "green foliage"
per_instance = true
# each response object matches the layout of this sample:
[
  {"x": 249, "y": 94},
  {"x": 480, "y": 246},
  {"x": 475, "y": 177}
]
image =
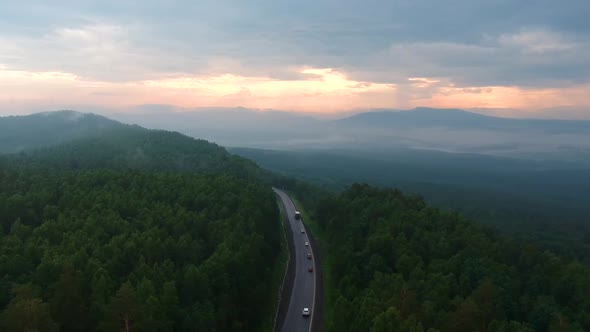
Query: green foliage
[
  {"x": 309, "y": 195},
  {"x": 138, "y": 149},
  {"x": 68, "y": 306},
  {"x": 400, "y": 265},
  {"x": 124, "y": 312},
  {"x": 390, "y": 320},
  {"x": 537, "y": 201},
  {"x": 149, "y": 251},
  {"x": 27, "y": 312}
]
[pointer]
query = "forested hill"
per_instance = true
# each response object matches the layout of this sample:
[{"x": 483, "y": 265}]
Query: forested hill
[
  {"x": 133, "y": 147},
  {"x": 133, "y": 227},
  {"x": 19, "y": 133},
  {"x": 400, "y": 265}
]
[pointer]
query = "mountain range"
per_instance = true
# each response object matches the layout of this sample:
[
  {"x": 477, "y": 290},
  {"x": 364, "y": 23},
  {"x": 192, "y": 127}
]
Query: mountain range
[
  {"x": 379, "y": 131},
  {"x": 448, "y": 130}
]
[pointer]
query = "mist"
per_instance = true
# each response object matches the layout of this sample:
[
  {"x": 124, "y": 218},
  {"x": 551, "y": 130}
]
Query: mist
[{"x": 451, "y": 131}]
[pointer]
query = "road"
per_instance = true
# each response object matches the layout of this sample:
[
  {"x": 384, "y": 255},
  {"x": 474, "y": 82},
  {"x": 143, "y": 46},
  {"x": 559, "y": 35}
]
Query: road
[{"x": 303, "y": 290}]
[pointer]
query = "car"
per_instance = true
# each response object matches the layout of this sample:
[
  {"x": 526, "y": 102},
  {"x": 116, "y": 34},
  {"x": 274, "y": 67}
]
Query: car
[
  {"x": 303, "y": 230},
  {"x": 306, "y": 244},
  {"x": 310, "y": 269},
  {"x": 308, "y": 256},
  {"x": 297, "y": 215},
  {"x": 305, "y": 312}
]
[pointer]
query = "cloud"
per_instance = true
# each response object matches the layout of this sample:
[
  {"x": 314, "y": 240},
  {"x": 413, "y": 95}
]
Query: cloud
[
  {"x": 398, "y": 52},
  {"x": 97, "y": 51},
  {"x": 531, "y": 59},
  {"x": 329, "y": 91},
  {"x": 537, "y": 41}
]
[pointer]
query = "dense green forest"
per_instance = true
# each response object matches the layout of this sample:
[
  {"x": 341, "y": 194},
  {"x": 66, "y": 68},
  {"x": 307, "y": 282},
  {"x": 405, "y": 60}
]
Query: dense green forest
[
  {"x": 114, "y": 226},
  {"x": 123, "y": 147},
  {"x": 542, "y": 202},
  {"x": 156, "y": 231},
  {"x": 141, "y": 149},
  {"x": 92, "y": 250},
  {"x": 400, "y": 265}
]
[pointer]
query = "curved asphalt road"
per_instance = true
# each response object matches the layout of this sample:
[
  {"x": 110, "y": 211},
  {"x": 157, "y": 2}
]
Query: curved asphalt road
[{"x": 303, "y": 294}]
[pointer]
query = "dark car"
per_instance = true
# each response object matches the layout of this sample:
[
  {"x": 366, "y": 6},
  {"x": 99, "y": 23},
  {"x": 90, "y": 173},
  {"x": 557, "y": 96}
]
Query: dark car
[
  {"x": 310, "y": 269},
  {"x": 308, "y": 256}
]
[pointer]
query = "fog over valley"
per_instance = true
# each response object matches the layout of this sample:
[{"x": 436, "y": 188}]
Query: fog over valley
[{"x": 448, "y": 130}]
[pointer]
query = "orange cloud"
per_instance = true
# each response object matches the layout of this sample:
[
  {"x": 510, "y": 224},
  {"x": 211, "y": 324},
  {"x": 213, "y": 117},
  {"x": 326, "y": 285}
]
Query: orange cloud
[
  {"x": 328, "y": 91},
  {"x": 506, "y": 97},
  {"x": 422, "y": 82}
]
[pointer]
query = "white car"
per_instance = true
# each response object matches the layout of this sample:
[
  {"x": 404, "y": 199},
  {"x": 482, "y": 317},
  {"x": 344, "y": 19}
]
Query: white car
[
  {"x": 306, "y": 244},
  {"x": 305, "y": 312}
]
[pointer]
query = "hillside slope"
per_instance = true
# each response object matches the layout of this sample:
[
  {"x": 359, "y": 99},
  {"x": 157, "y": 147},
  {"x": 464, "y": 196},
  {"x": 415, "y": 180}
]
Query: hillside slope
[
  {"x": 133, "y": 147},
  {"x": 169, "y": 232},
  {"x": 19, "y": 133},
  {"x": 400, "y": 265}
]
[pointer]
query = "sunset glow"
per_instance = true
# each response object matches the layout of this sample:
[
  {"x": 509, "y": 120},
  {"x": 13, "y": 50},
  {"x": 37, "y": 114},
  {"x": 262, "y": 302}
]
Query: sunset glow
[
  {"x": 327, "y": 92},
  {"x": 339, "y": 58}
]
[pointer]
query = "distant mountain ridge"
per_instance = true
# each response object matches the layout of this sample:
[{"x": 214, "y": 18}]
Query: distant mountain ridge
[
  {"x": 424, "y": 128},
  {"x": 448, "y": 130},
  {"x": 456, "y": 118}
]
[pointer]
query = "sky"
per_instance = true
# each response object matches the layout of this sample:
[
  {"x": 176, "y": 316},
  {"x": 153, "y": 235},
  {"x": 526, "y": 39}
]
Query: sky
[{"x": 514, "y": 58}]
